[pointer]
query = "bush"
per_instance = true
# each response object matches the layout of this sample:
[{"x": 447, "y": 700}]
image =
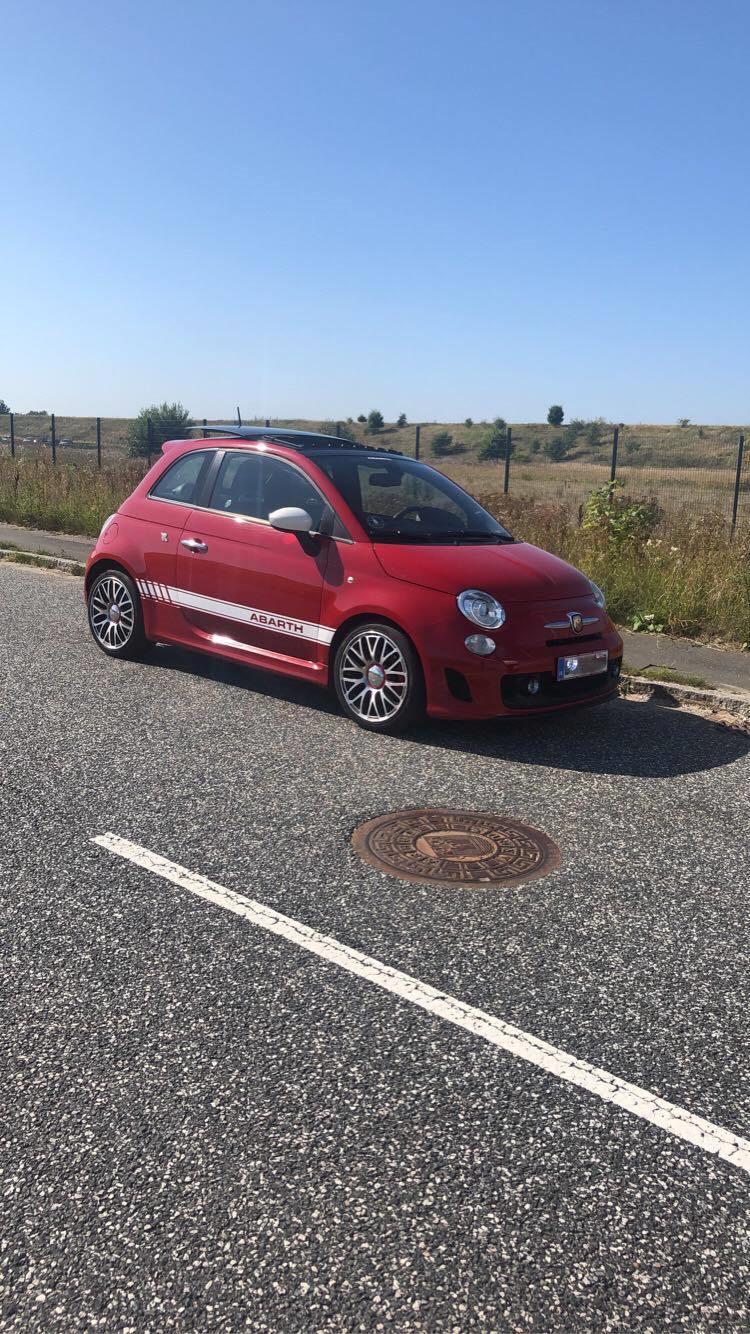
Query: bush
[
  {"x": 555, "y": 415},
  {"x": 556, "y": 449},
  {"x": 342, "y": 429},
  {"x": 683, "y": 421},
  {"x": 594, "y": 432},
  {"x": 4, "y": 409},
  {"x": 442, "y": 444},
  {"x": 619, "y": 518},
  {"x": 496, "y": 444},
  {"x": 361, "y": 417},
  {"x": 468, "y": 422},
  {"x": 375, "y": 422},
  {"x": 536, "y": 445},
  {"x": 402, "y": 420},
  {"x": 169, "y": 421}
]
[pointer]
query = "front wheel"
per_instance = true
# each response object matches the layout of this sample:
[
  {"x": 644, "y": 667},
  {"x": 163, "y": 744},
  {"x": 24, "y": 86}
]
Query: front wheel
[
  {"x": 115, "y": 615},
  {"x": 378, "y": 678}
]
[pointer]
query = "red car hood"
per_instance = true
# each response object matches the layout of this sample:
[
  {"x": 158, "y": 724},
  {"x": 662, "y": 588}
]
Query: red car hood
[{"x": 516, "y": 572}]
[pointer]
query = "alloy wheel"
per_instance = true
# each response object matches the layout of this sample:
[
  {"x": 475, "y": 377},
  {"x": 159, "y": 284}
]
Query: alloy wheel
[
  {"x": 373, "y": 676},
  {"x": 112, "y": 612}
]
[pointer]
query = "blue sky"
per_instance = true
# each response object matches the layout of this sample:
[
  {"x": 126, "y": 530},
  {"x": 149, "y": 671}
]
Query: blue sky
[{"x": 311, "y": 207}]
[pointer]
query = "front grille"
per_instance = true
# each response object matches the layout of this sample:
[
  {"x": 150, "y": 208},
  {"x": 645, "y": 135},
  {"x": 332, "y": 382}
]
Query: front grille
[
  {"x": 515, "y": 695},
  {"x": 574, "y": 639}
]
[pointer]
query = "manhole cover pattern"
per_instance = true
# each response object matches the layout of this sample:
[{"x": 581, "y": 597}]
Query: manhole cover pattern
[{"x": 456, "y": 848}]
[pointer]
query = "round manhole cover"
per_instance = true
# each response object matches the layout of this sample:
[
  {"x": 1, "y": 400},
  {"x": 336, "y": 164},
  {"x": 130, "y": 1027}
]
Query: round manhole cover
[{"x": 441, "y": 847}]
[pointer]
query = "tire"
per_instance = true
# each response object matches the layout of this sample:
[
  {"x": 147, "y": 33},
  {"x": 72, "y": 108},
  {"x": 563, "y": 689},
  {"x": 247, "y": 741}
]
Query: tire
[
  {"x": 120, "y": 636},
  {"x": 378, "y": 678}
]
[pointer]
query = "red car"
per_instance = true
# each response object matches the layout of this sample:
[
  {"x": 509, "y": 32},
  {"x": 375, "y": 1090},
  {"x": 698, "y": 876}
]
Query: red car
[{"x": 357, "y": 568}]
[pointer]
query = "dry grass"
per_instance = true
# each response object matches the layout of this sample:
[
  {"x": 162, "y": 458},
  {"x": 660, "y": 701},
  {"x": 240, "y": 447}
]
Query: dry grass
[
  {"x": 64, "y": 499},
  {"x": 692, "y": 578}
]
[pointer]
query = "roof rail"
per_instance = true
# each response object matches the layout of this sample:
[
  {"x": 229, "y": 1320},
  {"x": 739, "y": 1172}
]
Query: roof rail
[{"x": 302, "y": 440}]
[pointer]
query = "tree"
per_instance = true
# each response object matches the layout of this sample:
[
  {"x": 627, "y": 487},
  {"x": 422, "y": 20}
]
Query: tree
[
  {"x": 402, "y": 420},
  {"x": 169, "y": 421},
  {"x": 683, "y": 421},
  {"x": 4, "y": 409},
  {"x": 375, "y": 422},
  {"x": 468, "y": 422},
  {"x": 361, "y": 417},
  {"x": 555, "y": 415}
]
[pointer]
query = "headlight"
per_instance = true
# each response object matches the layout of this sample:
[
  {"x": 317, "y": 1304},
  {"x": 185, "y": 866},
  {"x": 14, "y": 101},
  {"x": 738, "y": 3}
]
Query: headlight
[
  {"x": 599, "y": 597},
  {"x": 481, "y": 608}
]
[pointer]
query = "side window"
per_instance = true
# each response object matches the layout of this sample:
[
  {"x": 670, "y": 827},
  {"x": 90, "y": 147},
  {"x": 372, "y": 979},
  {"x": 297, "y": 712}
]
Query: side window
[
  {"x": 256, "y": 485},
  {"x": 239, "y": 485},
  {"x": 181, "y": 481},
  {"x": 284, "y": 485}
]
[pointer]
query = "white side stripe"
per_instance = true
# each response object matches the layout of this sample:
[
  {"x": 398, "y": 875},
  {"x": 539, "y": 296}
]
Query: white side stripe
[
  {"x": 264, "y": 620},
  {"x": 236, "y": 611},
  {"x": 677, "y": 1121}
]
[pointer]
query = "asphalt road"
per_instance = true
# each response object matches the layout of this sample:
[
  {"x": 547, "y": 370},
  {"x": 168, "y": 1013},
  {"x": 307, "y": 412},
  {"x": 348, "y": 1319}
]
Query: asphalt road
[{"x": 204, "y": 1127}]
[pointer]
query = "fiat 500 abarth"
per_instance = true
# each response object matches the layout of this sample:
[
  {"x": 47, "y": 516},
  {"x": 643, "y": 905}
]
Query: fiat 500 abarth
[{"x": 356, "y": 568}]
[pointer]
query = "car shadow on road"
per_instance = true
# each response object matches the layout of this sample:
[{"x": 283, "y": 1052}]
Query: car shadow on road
[
  {"x": 628, "y": 737},
  {"x": 643, "y": 740}
]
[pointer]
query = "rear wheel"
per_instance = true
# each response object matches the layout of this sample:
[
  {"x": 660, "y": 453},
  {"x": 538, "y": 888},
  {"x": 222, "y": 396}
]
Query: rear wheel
[
  {"x": 115, "y": 615},
  {"x": 378, "y": 678}
]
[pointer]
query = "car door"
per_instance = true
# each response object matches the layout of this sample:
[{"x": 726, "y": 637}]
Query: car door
[
  {"x": 245, "y": 585},
  {"x": 155, "y": 522}
]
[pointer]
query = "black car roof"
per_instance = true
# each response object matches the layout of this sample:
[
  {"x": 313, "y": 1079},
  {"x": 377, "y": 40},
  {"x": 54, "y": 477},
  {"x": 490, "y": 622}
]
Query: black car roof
[{"x": 305, "y": 441}]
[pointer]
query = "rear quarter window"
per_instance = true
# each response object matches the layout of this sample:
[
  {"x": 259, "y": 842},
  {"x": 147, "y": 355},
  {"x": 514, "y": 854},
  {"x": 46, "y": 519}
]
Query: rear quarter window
[{"x": 182, "y": 482}]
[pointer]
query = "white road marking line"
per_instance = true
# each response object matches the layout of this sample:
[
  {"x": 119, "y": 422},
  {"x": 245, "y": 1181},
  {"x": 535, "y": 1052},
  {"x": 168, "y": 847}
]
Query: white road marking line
[{"x": 610, "y": 1088}]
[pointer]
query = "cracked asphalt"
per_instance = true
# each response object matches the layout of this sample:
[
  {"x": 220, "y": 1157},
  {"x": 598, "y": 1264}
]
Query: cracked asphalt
[{"x": 202, "y": 1127}]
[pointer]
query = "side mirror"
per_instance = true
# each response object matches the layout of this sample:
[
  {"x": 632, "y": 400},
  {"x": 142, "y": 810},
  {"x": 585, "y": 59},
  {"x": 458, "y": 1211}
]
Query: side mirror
[{"x": 290, "y": 519}]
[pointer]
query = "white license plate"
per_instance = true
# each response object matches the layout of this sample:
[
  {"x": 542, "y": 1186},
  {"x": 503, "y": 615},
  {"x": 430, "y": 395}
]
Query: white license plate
[{"x": 582, "y": 664}]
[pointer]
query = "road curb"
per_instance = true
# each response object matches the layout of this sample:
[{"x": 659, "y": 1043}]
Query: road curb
[
  {"x": 672, "y": 693},
  {"x": 44, "y": 562}
]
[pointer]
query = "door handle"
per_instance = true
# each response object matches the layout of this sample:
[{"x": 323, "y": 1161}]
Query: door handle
[{"x": 193, "y": 544}]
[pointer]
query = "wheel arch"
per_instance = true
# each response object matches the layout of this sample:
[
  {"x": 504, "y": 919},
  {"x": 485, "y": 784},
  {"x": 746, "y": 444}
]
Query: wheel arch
[
  {"x": 102, "y": 564},
  {"x": 362, "y": 618}
]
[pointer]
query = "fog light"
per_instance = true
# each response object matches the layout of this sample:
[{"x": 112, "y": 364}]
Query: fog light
[
  {"x": 481, "y": 644},
  {"x": 533, "y": 685}
]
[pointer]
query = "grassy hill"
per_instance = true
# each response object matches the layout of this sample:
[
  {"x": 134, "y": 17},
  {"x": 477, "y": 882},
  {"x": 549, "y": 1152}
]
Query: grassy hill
[{"x": 644, "y": 444}]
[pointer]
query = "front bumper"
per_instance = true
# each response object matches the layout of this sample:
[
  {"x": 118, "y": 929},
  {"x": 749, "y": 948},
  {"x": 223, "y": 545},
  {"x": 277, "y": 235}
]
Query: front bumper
[{"x": 464, "y": 686}]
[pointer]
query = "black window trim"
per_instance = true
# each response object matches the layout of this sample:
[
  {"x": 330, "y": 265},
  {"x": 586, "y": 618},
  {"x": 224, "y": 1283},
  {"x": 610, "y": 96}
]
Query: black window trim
[
  {"x": 206, "y": 470},
  {"x": 213, "y": 473}
]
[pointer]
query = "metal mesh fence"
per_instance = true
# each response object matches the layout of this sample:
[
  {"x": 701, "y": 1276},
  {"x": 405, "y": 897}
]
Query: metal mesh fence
[{"x": 682, "y": 468}]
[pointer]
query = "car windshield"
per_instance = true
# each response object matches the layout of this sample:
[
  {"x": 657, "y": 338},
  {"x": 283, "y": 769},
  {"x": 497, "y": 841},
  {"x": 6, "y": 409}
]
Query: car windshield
[{"x": 400, "y": 500}]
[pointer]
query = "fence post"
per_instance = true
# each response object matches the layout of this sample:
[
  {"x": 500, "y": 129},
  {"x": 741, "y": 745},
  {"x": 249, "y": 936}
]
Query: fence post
[
  {"x": 416, "y": 442},
  {"x": 268, "y": 421},
  {"x": 508, "y": 447},
  {"x": 615, "y": 442},
  {"x": 98, "y": 442},
  {"x": 239, "y": 419},
  {"x": 338, "y": 429},
  {"x": 205, "y": 432},
  {"x": 12, "y": 437},
  {"x": 54, "y": 440},
  {"x": 149, "y": 438},
  {"x": 737, "y": 480}
]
